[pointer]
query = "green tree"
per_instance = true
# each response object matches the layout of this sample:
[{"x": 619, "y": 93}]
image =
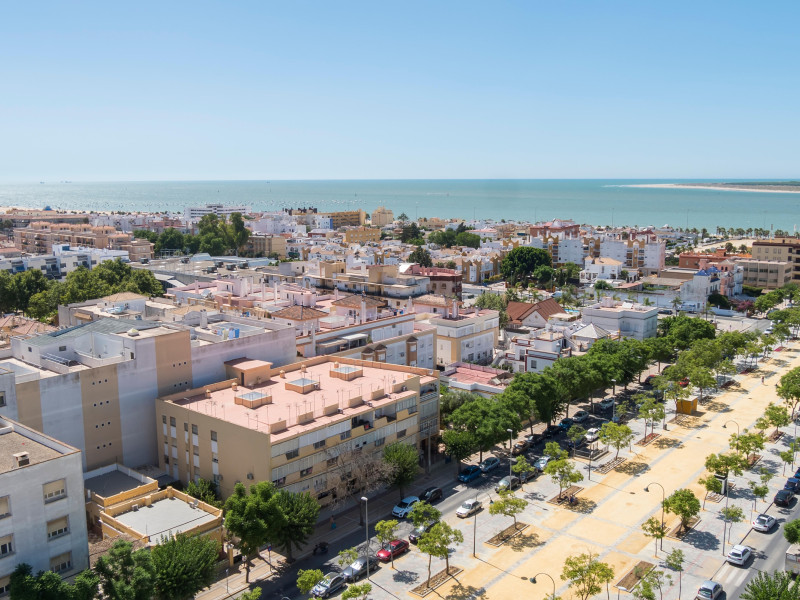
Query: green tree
[
  {"x": 684, "y": 504},
  {"x": 777, "y": 415},
  {"x": 205, "y": 491},
  {"x": 563, "y": 473},
  {"x": 423, "y": 513},
  {"x": 650, "y": 411},
  {"x": 787, "y": 456},
  {"x": 346, "y": 557},
  {"x": 470, "y": 240},
  {"x": 789, "y": 389},
  {"x": 494, "y": 302},
  {"x": 298, "y": 513},
  {"x": 674, "y": 561},
  {"x": 725, "y": 463},
  {"x": 522, "y": 466},
  {"x": 615, "y": 435},
  {"x": 386, "y": 531},
  {"x": 712, "y": 485},
  {"x": 248, "y": 516},
  {"x": 458, "y": 444},
  {"x": 238, "y": 233},
  {"x": 732, "y": 514},
  {"x": 308, "y": 578},
  {"x": 576, "y": 434},
  {"x": 508, "y": 505},
  {"x": 254, "y": 594},
  {"x": 450, "y": 400},
  {"x": 760, "y": 491},
  {"x": 357, "y": 591},
  {"x": 437, "y": 542},
  {"x": 183, "y": 566},
  {"x": 654, "y": 529},
  {"x": 780, "y": 585},
  {"x": 403, "y": 462},
  {"x": 421, "y": 256},
  {"x": 791, "y": 531},
  {"x": 653, "y": 580},
  {"x": 586, "y": 575},
  {"x": 125, "y": 574},
  {"x": 521, "y": 262},
  {"x": 47, "y": 585},
  {"x": 487, "y": 420},
  {"x": 701, "y": 377}
]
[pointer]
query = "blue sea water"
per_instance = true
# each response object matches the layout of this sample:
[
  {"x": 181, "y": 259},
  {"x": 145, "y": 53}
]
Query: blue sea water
[{"x": 600, "y": 202}]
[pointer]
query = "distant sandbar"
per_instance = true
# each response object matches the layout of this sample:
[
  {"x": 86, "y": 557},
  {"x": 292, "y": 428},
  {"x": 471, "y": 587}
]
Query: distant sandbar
[{"x": 770, "y": 188}]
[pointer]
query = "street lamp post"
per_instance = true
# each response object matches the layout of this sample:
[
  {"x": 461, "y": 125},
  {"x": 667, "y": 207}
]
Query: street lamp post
[
  {"x": 533, "y": 580},
  {"x": 621, "y": 589},
  {"x": 738, "y": 433},
  {"x": 475, "y": 526},
  {"x": 510, "y": 444},
  {"x": 663, "y": 498},
  {"x": 365, "y": 500}
]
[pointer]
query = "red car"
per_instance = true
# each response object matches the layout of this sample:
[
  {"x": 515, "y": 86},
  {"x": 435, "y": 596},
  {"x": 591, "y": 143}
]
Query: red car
[
  {"x": 392, "y": 550},
  {"x": 684, "y": 382}
]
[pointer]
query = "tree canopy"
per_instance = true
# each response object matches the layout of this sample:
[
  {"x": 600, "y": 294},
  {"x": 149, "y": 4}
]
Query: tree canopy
[{"x": 520, "y": 264}]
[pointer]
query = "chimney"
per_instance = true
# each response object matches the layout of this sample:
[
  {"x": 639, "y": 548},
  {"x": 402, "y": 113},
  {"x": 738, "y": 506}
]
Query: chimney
[
  {"x": 363, "y": 310},
  {"x": 203, "y": 318},
  {"x": 455, "y": 308}
]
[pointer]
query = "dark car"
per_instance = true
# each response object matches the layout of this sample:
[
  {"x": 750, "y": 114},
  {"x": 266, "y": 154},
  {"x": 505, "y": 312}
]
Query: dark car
[
  {"x": 792, "y": 484},
  {"x": 577, "y": 444},
  {"x": 784, "y": 498},
  {"x": 552, "y": 431},
  {"x": 526, "y": 476},
  {"x": 664, "y": 311},
  {"x": 649, "y": 380},
  {"x": 470, "y": 473},
  {"x": 566, "y": 423},
  {"x": 392, "y": 550},
  {"x": 358, "y": 568},
  {"x": 330, "y": 584},
  {"x": 431, "y": 495},
  {"x": 519, "y": 448},
  {"x": 533, "y": 439},
  {"x": 418, "y": 532}
]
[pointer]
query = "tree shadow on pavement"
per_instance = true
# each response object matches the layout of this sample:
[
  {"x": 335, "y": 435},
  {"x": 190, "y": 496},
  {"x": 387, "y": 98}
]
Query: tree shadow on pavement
[
  {"x": 663, "y": 443},
  {"x": 632, "y": 467},
  {"x": 468, "y": 592},
  {"x": 702, "y": 540},
  {"x": 717, "y": 406},
  {"x": 525, "y": 542},
  {"x": 406, "y": 577}
]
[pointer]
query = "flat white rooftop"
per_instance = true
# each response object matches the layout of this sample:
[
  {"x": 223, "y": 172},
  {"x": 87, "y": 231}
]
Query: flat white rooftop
[{"x": 166, "y": 517}]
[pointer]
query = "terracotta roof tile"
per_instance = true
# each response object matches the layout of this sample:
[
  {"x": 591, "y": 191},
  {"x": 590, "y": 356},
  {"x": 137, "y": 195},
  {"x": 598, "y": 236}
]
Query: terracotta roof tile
[{"x": 299, "y": 313}]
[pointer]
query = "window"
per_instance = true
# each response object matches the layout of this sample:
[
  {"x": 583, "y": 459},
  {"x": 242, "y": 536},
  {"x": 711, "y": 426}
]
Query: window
[
  {"x": 6, "y": 545},
  {"x": 293, "y": 454},
  {"x": 2, "y": 398},
  {"x": 5, "y": 586},
  {"x": 345, "y": 435},
  {"x": 194, "y": 429},
  {"x": 332, "y": 462},
  {"x": 57, "y": 528},
  {"x": 319, "y": 444},
  {"x": 305, "y": 472},
  {"x": 213, "y": 436},
  {"x": 186, "y": 427},
  {"x": 172, "y": 421},
  {"x": 279, "y": 482},
  {"x": 380, "y": 442},
  {"x": 214, "y": 457},
  {"x": 55, "y": 490},
  {"x": 401, "y": 434},
  {"x": 61, "y": 563},
  {"x": 5, "y": 507},
  {"x": 164, "y": 419}
]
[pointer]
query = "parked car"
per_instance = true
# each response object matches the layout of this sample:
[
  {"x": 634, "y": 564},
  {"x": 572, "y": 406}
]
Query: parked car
[
  {"x": 709, "y": 590},
  {"x": 330, "y": 584},
  {"x": 649, "y": 380},
  {"x": 580, "y": 416},
  {"x": 519, "y": 448},
  {"x": 419, "y": 531},
  {"x": 739, "y": 555},
  {"x": 527, "y": 476},
  {"x": 764, "y": 522},
  {"x": 392, "y": 550},
  {"x": 358, "y": 568},
  {"x": 470, "y": 473},
  {"x": 592, "y": 434},
  {"x": 684, "y": 382},
  {"x": 784, "y": 497},
  {"x": 468, "y": 507},
  {"x": 578, "y": 443},
  {"x": 533, "y": 438},
  {"x": 489, "y": 463},
  {"x": 402, "y": 509},
  {"x": 552, "y": 431},
  {"x": 541, "y": 462},
  {"x": 509, "y": 482},
  {"x": 431, "y": 495},
  {"x": 566, "y": 423},
  {"x": 664, "y": 311},
  {"x": 793, "y": 484},
  {"x": 606, "y": 403}
]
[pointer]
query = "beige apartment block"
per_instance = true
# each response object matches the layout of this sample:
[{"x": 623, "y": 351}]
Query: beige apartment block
[
  {"x": 770, "y": 274},
  {"x": 382, "y": 216},
  {"x": 465, "y": 335},
  {"x": 361, "y": 235},
  {"x": 295, "y": 426},
  {"x": 781, "y": 250}
]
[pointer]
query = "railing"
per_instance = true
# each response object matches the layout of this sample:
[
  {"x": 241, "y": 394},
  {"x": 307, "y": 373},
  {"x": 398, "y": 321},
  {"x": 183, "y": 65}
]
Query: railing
[{"x": 428, "y": 396}]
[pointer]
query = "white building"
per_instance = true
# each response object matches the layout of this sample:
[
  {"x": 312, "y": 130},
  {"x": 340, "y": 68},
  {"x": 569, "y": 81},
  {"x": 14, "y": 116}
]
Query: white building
[
  {"x": 625, "y": 318},
  {"x": 42, "y": 505},
  {"x": 535, "y": 353},
  {"x": 195, "y": 213},
  {"x": 595, "y": 269},
  {"x": 466, "y": 335},
  {"x": 63, "y": 260}
]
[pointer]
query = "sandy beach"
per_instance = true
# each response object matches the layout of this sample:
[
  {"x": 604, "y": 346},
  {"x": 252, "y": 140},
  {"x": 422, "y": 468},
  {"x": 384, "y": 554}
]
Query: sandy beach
[{"x": 719, "y": 187}]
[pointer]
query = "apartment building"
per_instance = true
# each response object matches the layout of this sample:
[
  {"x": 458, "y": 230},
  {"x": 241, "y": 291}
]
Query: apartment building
[
  {"x": 556, "y": 228},
  {"x": 195, "y": 213},
  {"x": 382, "y": 216},
  {"x": 376, "y": 280},
  {"x": 476, "y": 379},
  {"x": 534, "y": 353},
  {"x": 644, "y": 253},
  {"x": 781, "y": 250},
  {"x": 623, "y": 318},
  {"x": 767, "y": 274},
  {"x": 94, "y": 385},
  {"x": 445, "y": 282},
  {"x": 266, "y": 245},
  {"x": 62, "y": 261},
  {"x": 465, "y": 335},
  {"x": 42, "y": 517},
  {"x": 700, "y": 260},
  {"x": 297, "y": 426},
  {"x": 361, "y": 235},
  {"x": 40, "y": 237}
]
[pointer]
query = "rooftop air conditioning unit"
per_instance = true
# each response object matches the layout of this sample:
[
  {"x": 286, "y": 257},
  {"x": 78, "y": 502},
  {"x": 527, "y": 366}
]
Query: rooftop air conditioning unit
[{"x": 135, "y": 507}]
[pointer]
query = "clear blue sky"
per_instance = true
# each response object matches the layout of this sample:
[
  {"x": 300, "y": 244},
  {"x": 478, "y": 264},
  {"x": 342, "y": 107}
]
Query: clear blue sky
[{"x": 318, "y": 90}]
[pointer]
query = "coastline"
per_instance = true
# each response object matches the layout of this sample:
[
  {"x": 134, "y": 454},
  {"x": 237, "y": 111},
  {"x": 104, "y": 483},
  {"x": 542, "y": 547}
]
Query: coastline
[{"x": 723, "y": 188}]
